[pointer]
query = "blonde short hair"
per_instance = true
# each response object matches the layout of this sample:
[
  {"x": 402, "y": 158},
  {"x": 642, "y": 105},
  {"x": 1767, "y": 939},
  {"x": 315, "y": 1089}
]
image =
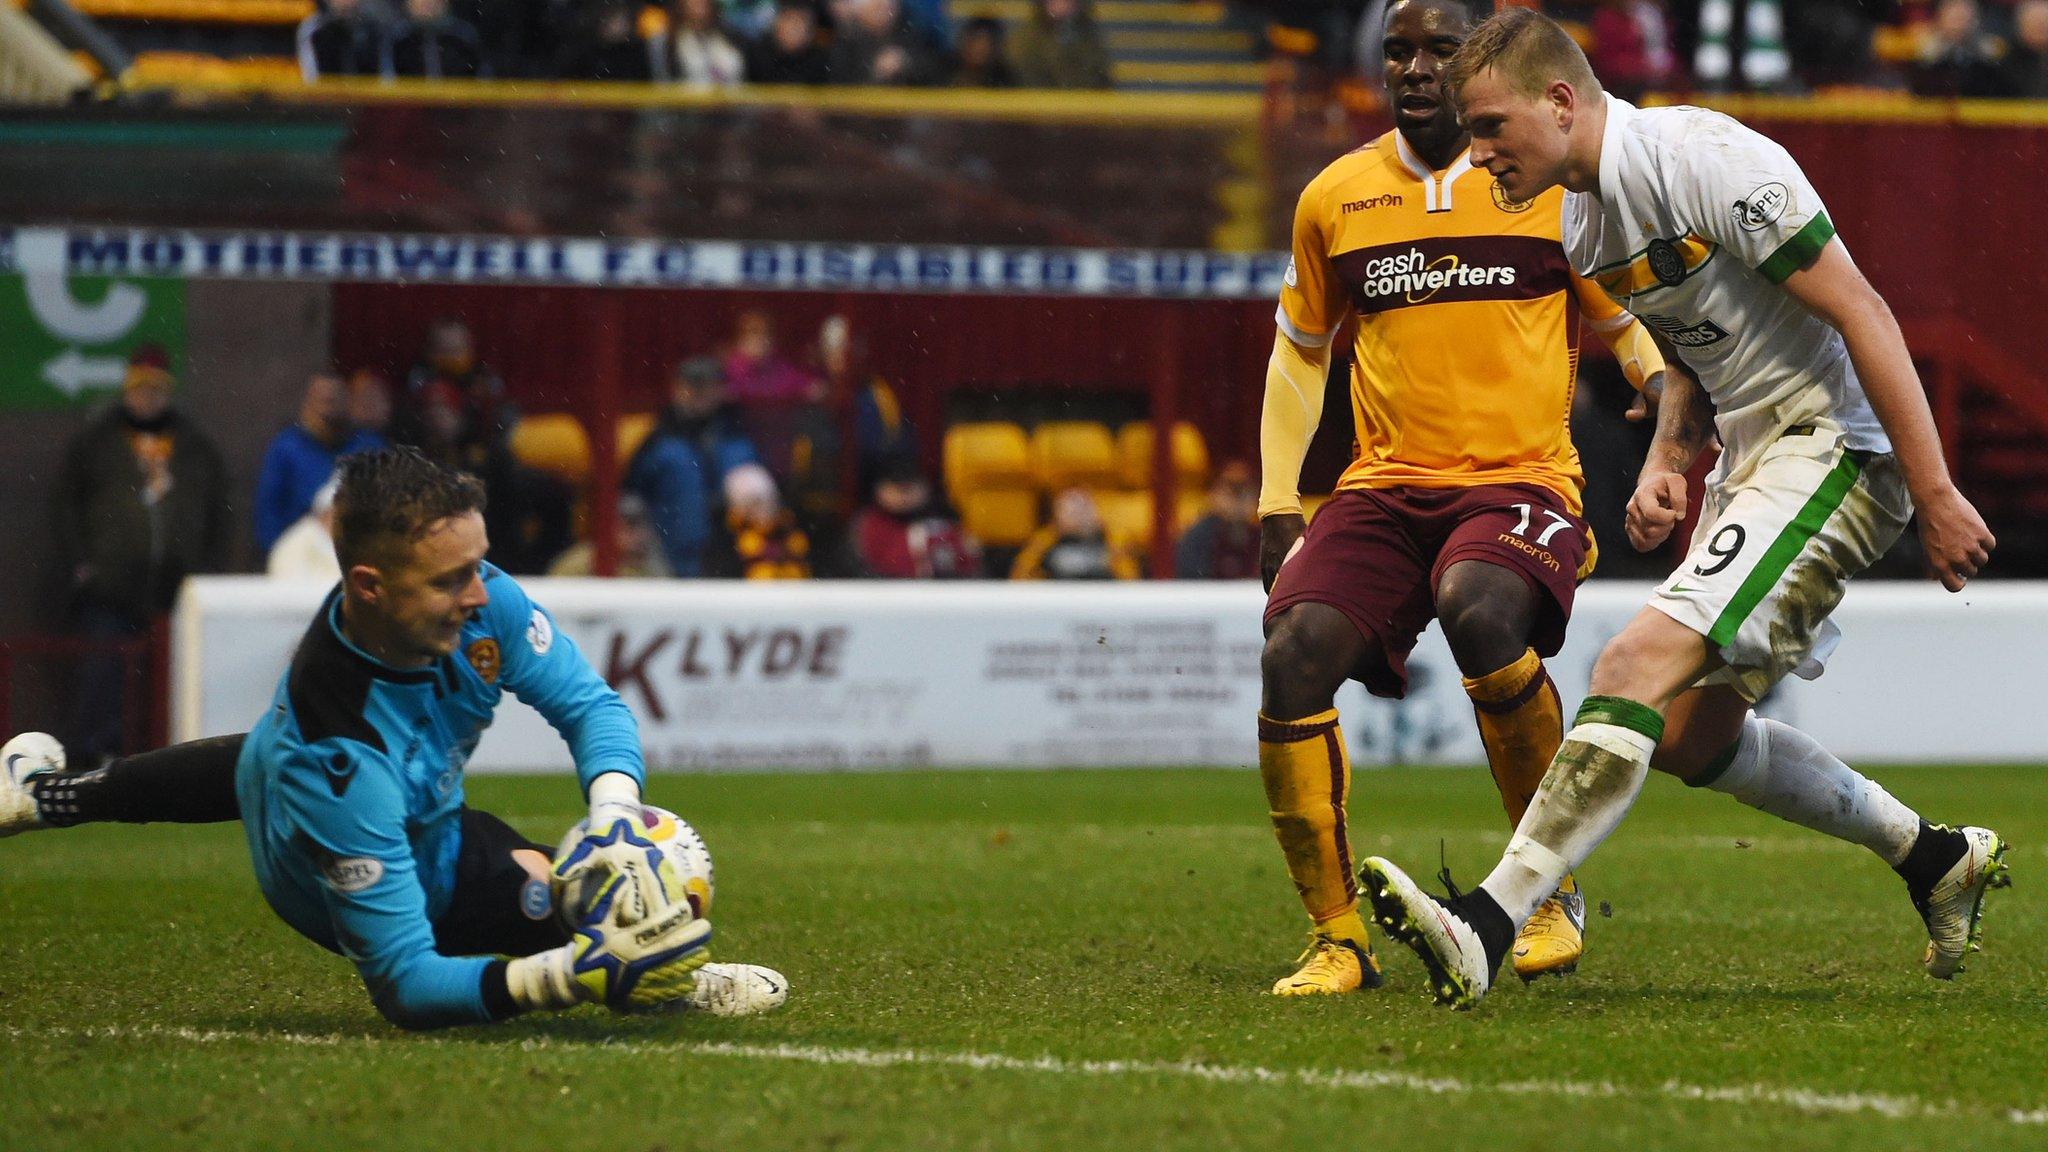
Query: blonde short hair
[{"x": 1528, "y": 49}]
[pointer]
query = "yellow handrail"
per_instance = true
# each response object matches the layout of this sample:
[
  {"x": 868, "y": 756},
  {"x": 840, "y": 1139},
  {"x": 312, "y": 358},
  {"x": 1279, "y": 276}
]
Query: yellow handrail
[
  {"x": 1065, "y": 106},
  {"x": 1872, "y": 107},
  {"x": 964, "y": 103}
]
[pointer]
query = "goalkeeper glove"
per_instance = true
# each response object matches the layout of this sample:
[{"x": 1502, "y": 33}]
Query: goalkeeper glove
[
  {"x": 629, "y": 966},
  {"x": 639, "y": 964},
  {"x": 613, "y": 845}
]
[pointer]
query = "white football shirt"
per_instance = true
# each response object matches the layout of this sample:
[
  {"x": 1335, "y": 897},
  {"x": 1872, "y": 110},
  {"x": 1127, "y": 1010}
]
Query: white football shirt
[{"x": 1696, "y": 225}]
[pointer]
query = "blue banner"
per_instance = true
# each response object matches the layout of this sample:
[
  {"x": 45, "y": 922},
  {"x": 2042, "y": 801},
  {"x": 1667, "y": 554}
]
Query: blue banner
[{"x": 617, "y": 263}]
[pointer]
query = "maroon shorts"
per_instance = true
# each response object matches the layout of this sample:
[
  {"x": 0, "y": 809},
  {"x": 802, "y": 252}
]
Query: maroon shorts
[{"x": 1376, "y": 554}]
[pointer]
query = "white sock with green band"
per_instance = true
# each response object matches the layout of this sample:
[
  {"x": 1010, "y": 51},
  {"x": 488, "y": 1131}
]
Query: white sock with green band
[
  {"x": 1778, "y": 769},
  {"x": 542, "y": 981},
  {"x": 1591, "y": 784}
]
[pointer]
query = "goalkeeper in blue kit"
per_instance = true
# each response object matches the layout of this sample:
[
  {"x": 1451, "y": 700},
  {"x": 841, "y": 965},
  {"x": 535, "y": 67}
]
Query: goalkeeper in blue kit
[{"x": 350, "y": 787}]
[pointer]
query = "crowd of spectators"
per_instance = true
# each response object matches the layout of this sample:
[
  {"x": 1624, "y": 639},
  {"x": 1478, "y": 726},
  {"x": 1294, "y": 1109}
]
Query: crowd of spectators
[
  {"x": 706, "y": 43},
  {"x": 1973, "y": 48},
  {"x": 758, "y": 465},
  {"x": 1978, "y": 48},
  {"x": 1928, "y": 47},
  {"x": 762, "y": 467}
]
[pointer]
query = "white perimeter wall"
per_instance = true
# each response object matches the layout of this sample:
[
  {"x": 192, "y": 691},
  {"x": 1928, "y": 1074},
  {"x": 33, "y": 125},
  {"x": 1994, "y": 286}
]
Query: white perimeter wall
[{"x": 825, "y": 676}]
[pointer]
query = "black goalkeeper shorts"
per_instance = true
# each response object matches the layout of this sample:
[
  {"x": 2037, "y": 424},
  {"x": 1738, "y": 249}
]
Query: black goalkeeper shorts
[{"x": 498, "y": 909}]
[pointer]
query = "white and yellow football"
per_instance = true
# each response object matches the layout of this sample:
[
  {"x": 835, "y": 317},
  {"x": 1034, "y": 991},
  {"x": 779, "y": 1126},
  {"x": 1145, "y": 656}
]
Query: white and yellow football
[{"x": 668, "y": 832}]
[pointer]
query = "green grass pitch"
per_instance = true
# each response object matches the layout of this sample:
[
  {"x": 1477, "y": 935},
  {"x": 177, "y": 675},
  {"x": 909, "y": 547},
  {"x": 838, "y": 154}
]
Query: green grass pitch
[{"x": 1070, "y": 960}]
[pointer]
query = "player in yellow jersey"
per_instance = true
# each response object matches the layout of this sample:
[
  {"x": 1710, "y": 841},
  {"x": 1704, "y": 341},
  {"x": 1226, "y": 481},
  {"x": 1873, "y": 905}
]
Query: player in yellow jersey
[{"x": 1463, "y": 502}]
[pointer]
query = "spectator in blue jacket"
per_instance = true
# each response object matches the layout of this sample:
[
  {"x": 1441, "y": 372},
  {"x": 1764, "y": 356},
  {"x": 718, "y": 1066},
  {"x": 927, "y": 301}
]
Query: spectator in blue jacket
[
  {"x": 302, "y": 457},
  {"x": 680, "y": 468}
]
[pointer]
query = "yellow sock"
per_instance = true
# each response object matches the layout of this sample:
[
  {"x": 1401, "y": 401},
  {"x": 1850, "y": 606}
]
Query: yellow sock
[
  {"x": 1308, "y": 779},
  {"x": 1521, "y": 723},
  {"x": 1346, "y": 926}
]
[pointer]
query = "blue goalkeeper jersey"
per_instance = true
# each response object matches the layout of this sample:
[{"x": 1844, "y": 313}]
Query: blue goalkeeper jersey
[{"x": 351, "y": 787}]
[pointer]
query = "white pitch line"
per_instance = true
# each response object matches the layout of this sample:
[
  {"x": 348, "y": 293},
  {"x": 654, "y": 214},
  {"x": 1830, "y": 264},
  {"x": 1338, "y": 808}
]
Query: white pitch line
[{"x": 1805, "y": 1100}]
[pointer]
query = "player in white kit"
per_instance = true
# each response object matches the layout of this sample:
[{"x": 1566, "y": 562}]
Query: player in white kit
[{"x": 1710, "y": 234}]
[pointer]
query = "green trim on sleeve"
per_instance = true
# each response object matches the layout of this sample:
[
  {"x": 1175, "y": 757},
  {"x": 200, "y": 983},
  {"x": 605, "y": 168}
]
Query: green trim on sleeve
[{"x": 1799, "y": 251}]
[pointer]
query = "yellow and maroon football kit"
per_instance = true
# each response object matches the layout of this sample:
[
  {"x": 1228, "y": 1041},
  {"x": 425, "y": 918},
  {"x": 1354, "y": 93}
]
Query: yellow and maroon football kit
[{"x": 1467, "y": 318}]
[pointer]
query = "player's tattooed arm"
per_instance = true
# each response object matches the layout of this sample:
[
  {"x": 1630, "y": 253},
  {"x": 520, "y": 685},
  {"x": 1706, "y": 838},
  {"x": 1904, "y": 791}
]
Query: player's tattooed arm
[
  {"x": 1644, "y": 405},
  {"x": 1685, "y": 426},
  {"x": 1685, "y": 423},
  {"x": 1682, "y": 415}
]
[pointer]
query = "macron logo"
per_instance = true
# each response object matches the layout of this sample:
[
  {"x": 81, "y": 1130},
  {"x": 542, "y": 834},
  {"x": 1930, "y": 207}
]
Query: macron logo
[{"x": 1389, "y": 200}]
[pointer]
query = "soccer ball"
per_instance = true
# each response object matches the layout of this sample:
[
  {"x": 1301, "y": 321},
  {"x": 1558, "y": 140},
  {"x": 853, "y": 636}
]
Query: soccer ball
[{"x": 670, "y": 833}]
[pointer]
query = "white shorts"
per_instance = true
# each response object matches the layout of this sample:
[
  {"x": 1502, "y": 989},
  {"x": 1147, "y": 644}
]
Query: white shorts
[{"x": 1774, "y": 550}]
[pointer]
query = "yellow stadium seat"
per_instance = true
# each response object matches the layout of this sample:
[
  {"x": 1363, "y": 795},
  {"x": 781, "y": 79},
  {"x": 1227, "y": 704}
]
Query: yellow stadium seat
[
  {"x": 1127, "y": 516},
  {"x": 986, "y": 456},
  {"x": 285, "y": 13},
  {"x": 1001, "y": 518},
  {"x": 633, "y": 429},
  {"x": 176, "y": 69},
  {"x": 1134, "y": 455},
  {"x": 989, "y": 476},
  {"x": 1069, "y": 452},
  {"x": 553, "y": 442},
  {"x": 1896, "y": 45}
]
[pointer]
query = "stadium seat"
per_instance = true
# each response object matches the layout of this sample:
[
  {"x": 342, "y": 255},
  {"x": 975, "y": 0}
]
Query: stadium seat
[
  {"x": 1127, "y": 516},
  {"x": 988, "y": 474},
  {"x": 999, "y": 518},
  {"x": 1134, "y": 455},
  {"x": 633, "y": 429},
  {"x": 287, "y": 13},
  {"x": 553, "y": 442},
  {"x": 982, "y": 456},
  {"x": 1069, "y": 452},
  {"x": 178, "y": 69}
]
